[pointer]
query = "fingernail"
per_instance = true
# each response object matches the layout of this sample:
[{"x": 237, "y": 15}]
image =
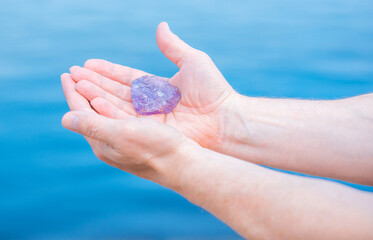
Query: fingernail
[{"x": 70, "y": 121}]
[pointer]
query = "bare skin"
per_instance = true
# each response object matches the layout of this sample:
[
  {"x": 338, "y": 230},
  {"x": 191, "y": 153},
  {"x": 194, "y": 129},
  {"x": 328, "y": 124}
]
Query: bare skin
[{"x": 180, "y": 150}]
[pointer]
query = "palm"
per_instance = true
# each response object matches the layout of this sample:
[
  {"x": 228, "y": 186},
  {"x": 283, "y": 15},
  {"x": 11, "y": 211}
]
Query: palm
[
  {"x": 204, "y": 95},
  {"x": 205, "y": 92}
]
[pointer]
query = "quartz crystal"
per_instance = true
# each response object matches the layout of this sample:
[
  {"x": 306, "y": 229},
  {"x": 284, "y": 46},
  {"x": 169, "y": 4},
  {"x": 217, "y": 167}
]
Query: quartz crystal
[{"x": 153, "y": 95}]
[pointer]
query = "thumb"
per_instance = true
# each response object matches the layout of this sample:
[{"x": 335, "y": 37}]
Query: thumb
[
  {"x": 90, "y": 125},
  {"x": 172, "y": 46}
]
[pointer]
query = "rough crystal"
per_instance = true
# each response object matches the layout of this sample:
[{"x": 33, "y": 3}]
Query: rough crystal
[{"x": 153, "y": 95}]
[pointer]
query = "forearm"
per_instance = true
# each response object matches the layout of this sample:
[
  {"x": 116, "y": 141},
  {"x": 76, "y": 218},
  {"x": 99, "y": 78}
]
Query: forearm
[
  {"x": 325, "y": 138},
  {"x": 263, "y": 204}
]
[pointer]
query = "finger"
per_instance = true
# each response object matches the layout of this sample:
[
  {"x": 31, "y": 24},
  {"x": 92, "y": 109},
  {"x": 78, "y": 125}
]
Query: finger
[
  {"x": 91, "y": 125},
  {"x": 115, "y": 88},
  {"x": 107, "y": 109},
  {"x": 90, "y": 91},
  {"x": 75, "y": 101},
  {"x": 175, "y": 49},
  {"x": 116, "y": 72}
]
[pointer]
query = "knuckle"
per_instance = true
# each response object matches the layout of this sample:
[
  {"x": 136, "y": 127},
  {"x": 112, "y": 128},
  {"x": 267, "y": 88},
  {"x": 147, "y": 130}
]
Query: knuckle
[
  {"x": 204, "y": 55},
  {"x": 99, "y": 78},
  {"x": 82, "y": 83},
  {"x": 130, "y": 127},
  {"x": 93, "y": 130},
  {"x": 120, "y": 92},
  {"x": 120, "y": 104},
  {"x": 198, "y": 55},
  {"x": 96, "y": 101}
]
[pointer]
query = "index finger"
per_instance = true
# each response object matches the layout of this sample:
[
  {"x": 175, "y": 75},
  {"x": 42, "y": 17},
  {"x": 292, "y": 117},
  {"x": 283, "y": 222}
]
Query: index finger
[{"x": 116, "y": 72}]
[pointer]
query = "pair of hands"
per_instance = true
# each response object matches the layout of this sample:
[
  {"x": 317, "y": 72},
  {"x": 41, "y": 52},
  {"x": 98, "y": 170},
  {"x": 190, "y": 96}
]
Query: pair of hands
[{"x": 99, "y": 98}]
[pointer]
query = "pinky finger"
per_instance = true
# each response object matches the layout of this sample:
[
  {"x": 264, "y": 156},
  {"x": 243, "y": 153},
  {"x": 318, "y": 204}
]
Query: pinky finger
[{"x": 107, "y": 109}]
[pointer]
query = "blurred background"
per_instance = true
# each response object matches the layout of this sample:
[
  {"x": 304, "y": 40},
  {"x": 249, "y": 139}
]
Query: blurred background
[{"x": 51, "y": 184}]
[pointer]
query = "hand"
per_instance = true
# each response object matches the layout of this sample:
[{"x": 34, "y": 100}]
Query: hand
[
  {"x": 141, "y": 146},
  {"x": 205, "y": 93}
]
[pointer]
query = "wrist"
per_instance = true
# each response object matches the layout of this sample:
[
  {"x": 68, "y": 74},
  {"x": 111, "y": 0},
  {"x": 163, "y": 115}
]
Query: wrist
[
  {"x": 236, "y": 129},
  {"x": 169, "y": 170}
]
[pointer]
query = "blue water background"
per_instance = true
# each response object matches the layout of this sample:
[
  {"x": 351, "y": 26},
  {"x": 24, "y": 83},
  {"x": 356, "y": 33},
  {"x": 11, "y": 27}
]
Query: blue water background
[{"x": 53, "y": 187}]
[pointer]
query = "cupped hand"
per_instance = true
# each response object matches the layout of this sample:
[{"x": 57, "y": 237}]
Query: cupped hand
[
  {"x": 205, "y": 93},
  {"x": 141, "y": 146}
]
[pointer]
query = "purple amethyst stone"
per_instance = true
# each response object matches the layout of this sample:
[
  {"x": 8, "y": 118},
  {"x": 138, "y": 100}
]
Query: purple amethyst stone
[{"x": 153, "y": 95}]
